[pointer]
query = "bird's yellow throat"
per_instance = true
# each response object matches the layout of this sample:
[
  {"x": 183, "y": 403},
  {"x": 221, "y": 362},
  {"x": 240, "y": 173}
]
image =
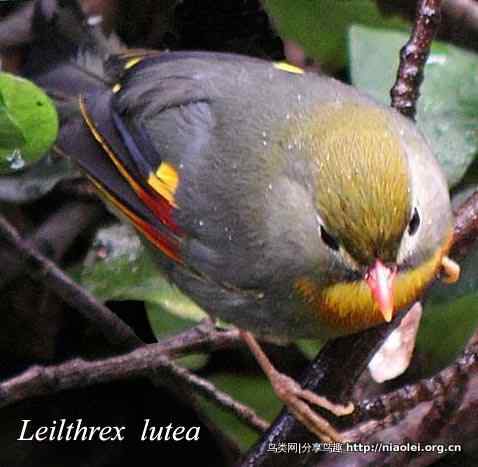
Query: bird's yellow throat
[{"x": 348, "y": 307}]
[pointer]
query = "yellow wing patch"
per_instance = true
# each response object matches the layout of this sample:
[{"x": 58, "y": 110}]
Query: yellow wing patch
[
  {"x": 284, "y": 66},
  {"x": 116, "y": 88},
  {"x": 131, "y": 63},
  {"x": 165, "y": 182}
]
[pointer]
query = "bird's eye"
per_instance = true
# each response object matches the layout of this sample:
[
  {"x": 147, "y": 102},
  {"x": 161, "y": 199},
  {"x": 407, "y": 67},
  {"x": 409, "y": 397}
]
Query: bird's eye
[
  {"x": 328, "y": 239},
  {"x": 414, "y": 223}
]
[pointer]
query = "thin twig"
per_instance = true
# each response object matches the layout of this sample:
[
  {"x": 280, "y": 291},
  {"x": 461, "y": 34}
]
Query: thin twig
[
  {"x": 40, "y": 268},
  {"x": 117, "y": 332},
  {"x": 459, "y": 17},
  {"x": 466, "y": 226},
  {"x": 203, "y": 338},
  {"x": 93, "y": 372},
  {"x": 424, "y": 412},
  {"x": 438, "y": 387},
  {"x": 413, "y": 56},
  {"x": 145, "y": 361},
  {"x": 54, "y": 236}
]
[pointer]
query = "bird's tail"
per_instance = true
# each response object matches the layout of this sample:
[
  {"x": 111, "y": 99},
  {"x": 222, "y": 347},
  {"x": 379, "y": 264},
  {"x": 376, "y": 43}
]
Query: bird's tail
[
  {"x": 67, "y": 51},
  {"x": 80, "y": 69}
]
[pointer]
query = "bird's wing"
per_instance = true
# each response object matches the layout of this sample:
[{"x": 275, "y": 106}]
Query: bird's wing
[
  {"x": 161, "y": 146},
  {"x": 115, "y": 150},
  {"x": 109, "y": 154}
]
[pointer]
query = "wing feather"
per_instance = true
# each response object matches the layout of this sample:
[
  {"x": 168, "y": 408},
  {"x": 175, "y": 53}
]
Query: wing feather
[{"x": 113, "y": 161}]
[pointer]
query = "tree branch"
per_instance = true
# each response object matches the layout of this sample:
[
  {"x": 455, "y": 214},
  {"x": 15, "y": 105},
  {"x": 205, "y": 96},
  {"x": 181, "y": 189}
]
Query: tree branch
[
  {"x": 40, "y": 268},
  {"x": 142, "y": 362},
  {"x": 54, "y": 236},
  {"x": 439, "y": 387},
  {"x": 78, "y": 373},
  {"x": 466, "y": 226},
  {"x": 203, "y": 338},
  {"x": 459, "y": 17},
  {"x": 146, "y": 361},
  {"x": 333, "y": 374},
  {"x": 425, "y": 412},
  {"x": 413, "y": 56}
]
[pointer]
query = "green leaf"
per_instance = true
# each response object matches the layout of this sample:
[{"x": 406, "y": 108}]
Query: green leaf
[
  {"x": 254, "y": 391},
  {"x": 28, "y": 123},
  {"x": 119, "y": 268},
  {"x": 310, "y": 347},
  {"x": 445, "y": 329},
  {"x": 320, "y": 26},
  {"x": 11, "y": 135},
  {"x": 447, "y": 111}
]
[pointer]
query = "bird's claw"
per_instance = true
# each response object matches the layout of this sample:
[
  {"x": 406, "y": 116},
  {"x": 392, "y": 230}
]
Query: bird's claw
[{"x": 299, "y": 401}]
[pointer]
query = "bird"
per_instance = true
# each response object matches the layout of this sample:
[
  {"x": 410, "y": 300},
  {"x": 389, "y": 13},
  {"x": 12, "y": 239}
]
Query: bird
[{"x": 289, "y": 204}]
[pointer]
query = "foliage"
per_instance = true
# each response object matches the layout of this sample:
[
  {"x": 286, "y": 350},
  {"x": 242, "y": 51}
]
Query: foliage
[
  {"x": 320, "y": 27},
  {"x": 28, "y": 123},
  {"x": 447, "y": 110}
]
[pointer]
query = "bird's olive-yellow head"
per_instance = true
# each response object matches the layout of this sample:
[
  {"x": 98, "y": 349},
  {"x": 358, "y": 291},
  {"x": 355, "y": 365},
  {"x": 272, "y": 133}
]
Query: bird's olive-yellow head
[{"x": 383, "y": 214}]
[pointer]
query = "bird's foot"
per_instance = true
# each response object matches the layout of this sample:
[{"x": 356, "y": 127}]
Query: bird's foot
[{"x": 299, "y": 401}]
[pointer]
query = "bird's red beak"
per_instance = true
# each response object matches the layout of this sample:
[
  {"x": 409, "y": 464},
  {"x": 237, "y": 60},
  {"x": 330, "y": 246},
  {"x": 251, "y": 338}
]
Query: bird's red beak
[{"x": 380, "y": 279}]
